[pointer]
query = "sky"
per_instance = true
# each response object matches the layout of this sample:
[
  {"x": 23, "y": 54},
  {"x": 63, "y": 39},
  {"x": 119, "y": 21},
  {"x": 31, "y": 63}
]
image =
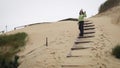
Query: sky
[{"x": 15, "y": 13}]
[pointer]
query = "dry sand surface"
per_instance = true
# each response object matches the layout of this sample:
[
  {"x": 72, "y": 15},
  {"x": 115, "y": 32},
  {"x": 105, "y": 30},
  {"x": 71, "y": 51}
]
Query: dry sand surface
[
  {"x": 106, "y": 37},
  {"x": 61, "y": 38}
]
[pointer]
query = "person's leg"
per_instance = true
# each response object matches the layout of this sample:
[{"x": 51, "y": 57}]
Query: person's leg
[
  {"x": 82, "y": 23},
  {"x": 83, "y": 27},
  {"x": 80, "y": 28}
]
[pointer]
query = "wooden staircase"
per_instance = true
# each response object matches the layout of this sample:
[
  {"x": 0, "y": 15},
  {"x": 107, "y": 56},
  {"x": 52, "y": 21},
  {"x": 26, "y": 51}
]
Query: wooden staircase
[{"x": 80, "y": 55}]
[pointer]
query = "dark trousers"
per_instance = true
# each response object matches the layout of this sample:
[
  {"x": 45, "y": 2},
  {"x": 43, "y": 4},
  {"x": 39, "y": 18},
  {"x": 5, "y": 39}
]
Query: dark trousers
[{"x": 81, "y": 28}]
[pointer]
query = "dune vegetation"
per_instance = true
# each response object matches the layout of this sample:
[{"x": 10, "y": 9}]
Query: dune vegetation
[
  {"x": 9, "y": 46},
  {"x": 70, "y": 19},
  {"x": 116, "y": 51},
  {"x": 115, "y": 16},
  {"x": 108, "y": 4}
]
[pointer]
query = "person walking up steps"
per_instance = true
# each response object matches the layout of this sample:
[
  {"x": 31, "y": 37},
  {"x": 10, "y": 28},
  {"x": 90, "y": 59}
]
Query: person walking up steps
[{"x": 82, "y": 15}]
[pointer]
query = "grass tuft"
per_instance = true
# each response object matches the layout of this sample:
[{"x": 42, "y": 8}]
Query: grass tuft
[
  {"x": 108, "y": 4},
  {"x": 70, "y": 19},
  {"x": 9, "y": 46},
  {"x": 116, "y": 51}
]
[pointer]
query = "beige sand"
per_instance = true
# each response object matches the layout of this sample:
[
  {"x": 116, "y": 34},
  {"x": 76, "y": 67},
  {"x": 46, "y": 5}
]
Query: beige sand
[{"x": 61, "y": 37}]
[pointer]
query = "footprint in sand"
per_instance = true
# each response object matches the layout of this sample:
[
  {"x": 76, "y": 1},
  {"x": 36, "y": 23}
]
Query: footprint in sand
[
  {"x": 98, "y": 56},
  {"x": 104, "y": 66},
  {"x": 101, "y": 65}
]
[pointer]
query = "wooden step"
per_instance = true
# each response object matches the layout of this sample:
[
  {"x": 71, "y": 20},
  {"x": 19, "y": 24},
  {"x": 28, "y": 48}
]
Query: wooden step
[
  {"x": 69, "y": 54},
  {"x": 70, "y": 65},
  {"x": 83, "y": 52},
  {"x": 79, "y": 48},
  {"x": 80, "y": 54},
  {"x": 89, "y": 25},
  {"x": 83, "y": 40},
  {"x": 78, "y": 62},
  {"x": 89, "y": 32},
  {"x": 78, "y": 66},
  {"x": 78, "y": 42},
  {"x": 74, "y": 56},
  {"x": 85, "y": 36},
  {"x": 89, "y": 28}
]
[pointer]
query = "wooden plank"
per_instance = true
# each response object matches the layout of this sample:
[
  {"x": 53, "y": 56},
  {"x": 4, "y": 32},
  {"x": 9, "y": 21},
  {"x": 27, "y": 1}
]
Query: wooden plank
[
  {"x": 69, "y": 54},
  {"x": 89, "y": 28},
  {"x": 78, "y": 42},
  {"x": 76, "y": 48},
  {"x": 78, "y": 66},
  {"x": 85, "y": 37},
  {"x": 70, "y": 65},
  {"x": 73, "y": 56},
  {"x": 78, "y": 61},
  {"x": 82, "y": 52},
  {"x": 89, "y": 32},
  {"x": 89, "y": 25}
]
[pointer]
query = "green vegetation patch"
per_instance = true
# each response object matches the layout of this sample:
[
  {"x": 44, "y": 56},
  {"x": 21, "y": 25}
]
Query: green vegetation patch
[
  {"x": 116, "y": 51},
  {"x": 108, "y": 4},
  {"x": 70, "y": 19},
  {"x": 9, "y": 46}
]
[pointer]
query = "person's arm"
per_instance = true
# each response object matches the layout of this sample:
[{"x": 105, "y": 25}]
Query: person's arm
[{"x": 85, "y": 14}]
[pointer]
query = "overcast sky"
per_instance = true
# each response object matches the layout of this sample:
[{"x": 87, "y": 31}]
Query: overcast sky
[{"x": 21, "y": 12}]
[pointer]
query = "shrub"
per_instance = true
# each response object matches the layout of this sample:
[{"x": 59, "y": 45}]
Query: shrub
[
  {"x": 70, "y": 19},
  {"x": 9, "y": 46},
  {"x": 116, "y": 51},
  {"x": 108, "y": 4}
]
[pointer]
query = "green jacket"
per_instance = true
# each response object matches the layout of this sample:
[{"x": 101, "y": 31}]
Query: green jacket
[{"x": 81, "y": 17}]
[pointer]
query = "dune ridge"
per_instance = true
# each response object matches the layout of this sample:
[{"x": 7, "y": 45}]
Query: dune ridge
[{"x": 61, "y": 38}]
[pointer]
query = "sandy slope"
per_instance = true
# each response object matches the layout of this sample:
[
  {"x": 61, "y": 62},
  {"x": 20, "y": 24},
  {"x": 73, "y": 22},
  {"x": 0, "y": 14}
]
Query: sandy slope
[
  {"x": 99, "y": 54},
  {"x": 107, "y": 36},
  {"x": 61, "y": 37}
]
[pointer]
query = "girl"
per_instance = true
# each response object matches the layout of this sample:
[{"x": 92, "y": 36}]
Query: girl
[{"x": 82, "y": 15}]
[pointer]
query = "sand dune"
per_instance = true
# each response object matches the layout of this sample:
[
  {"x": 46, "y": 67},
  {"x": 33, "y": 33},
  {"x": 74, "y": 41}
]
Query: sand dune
[
  {"x": 65, "y": 50},
  {"x": 61, "y": 37}
]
